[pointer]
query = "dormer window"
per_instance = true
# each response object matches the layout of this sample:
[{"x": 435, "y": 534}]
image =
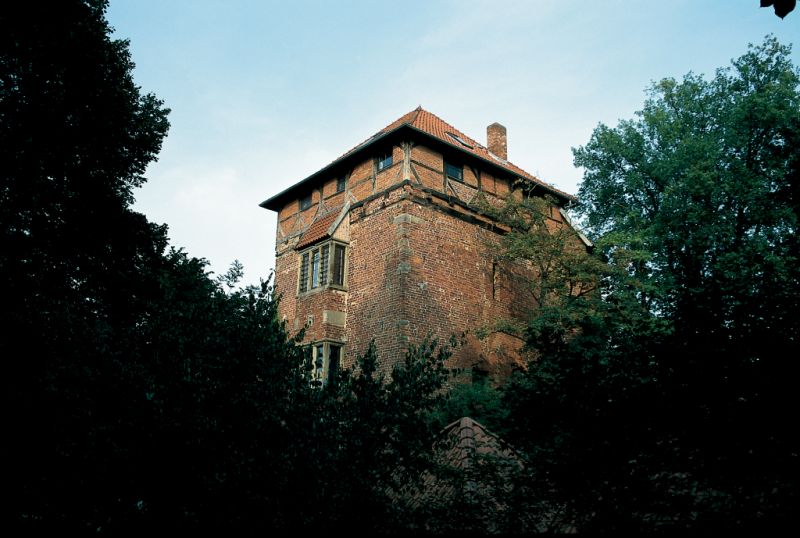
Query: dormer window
[
  {"x": 453, "y": 171},
  {"x": 384, "y": 161},
  {"x": 305, "y": 202}
]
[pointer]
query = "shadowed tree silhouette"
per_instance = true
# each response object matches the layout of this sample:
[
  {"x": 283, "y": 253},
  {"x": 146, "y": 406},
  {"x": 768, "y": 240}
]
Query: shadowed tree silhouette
[{"x": 782, "y": 7}]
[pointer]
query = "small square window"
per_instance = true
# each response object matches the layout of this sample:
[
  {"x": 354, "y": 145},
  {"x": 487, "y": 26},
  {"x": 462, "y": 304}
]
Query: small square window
[
  {"x": 341, "y": 184},
  {"x": 384, "y": 161},
  {"x": 305, "y": 202},
  {"x": 454, "y": 171}
]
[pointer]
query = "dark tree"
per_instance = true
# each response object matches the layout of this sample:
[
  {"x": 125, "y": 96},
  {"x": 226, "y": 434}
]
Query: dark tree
[
  {"x": 663, "y": 402},
  {"x": 140, "y": 393},
  {"x": 781, "y": 7},
  {"x": 75, "y": 137}
]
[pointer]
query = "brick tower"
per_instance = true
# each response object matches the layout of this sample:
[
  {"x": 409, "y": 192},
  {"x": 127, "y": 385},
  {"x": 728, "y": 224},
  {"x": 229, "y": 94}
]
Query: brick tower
[{"x": 388, "y": 243}]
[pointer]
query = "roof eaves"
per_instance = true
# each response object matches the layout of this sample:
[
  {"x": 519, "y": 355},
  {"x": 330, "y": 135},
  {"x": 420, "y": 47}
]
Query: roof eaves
[
  {"x": 537, "y": 182},
  {"x": 586, "y": 240},
  {"x": 270, "y": 203}
]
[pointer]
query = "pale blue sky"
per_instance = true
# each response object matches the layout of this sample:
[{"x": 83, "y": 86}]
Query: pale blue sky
[{"x": 265, "y": 93}]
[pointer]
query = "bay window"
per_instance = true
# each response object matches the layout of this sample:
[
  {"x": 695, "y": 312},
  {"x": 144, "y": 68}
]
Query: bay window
[{"x": 323, "y": 265}]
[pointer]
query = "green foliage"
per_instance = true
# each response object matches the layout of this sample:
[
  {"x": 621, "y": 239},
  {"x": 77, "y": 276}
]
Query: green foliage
[
  {"x": 477, "y": 399},
  {"x": 556, "y": 255},
  {"x": 661, "y": 401},
  {"x": 704, "y": 183},
  {"x": 140, "y": 393},
  {"x": 361, "y": 440},
  {"x": 75, "y": 138}
]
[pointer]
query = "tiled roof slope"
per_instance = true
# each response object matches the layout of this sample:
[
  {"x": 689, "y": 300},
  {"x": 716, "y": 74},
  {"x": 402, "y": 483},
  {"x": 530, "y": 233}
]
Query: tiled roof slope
[
  {"x": 464, "y": 440},
  {"x": 477, "y": 472},
  {"x": 430, "y": 123},
  {"x": 473, "y": 470},
  {"x": 318, "y": 229}
]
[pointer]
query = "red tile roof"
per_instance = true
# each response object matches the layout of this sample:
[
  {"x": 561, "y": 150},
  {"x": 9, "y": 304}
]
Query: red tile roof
[
  {"x": 464, "y": 440},
  {"x": 471, "y": 467},
  {"x": 475, "y": 469},
  {"x": 430, "y": 123},
  {"x": 461, "y": 446},
  {"x": 318, "y": 229}
]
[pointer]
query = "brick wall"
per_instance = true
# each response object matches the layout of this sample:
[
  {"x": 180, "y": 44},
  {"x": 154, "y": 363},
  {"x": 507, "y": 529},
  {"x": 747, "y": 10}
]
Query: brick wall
[
  {"x": 449, "y": 289},
  {"x": 375, "y": 279},
  {"x": 418, "y": 264}
]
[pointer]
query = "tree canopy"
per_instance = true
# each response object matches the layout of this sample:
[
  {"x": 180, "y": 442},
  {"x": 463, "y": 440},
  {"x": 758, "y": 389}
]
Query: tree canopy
[
  {"x": 140, "y": 392},
  {"x": 663, "y": 400}
]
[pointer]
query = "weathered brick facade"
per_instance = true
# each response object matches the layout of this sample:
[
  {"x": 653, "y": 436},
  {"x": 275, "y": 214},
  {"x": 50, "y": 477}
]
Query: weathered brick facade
[{"x": 415, "y": 244}]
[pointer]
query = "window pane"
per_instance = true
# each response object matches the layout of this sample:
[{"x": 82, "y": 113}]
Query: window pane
[
  {"x": 323, "y": 277},
  {"x": 334, "y": 358},
  {"x": 338, "y": 265},
  {"x": 384, "y": 161},
  {"x": 319, "y": 359},
  {"x": 454, "y": 172},
  {"x": 305, "y": 202},
  {"x": 315, "y": 269},
  {"x": 319, "y": 364},
  {"x": 304, "y": 273},
  {"x": 341, "y": 184}
]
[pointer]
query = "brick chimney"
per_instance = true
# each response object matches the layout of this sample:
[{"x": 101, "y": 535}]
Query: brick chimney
[{"x": 496, "y": 140}]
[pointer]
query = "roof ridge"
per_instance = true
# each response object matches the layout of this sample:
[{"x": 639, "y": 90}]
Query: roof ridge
[
  {"x": 416, "y": 114},
  {"x": 432, "y": 125},
  {"x": 455, "y": 130}
]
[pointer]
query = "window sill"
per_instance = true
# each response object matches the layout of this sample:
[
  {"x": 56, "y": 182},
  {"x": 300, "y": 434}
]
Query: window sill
[{"x": 326, "y": 287}]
